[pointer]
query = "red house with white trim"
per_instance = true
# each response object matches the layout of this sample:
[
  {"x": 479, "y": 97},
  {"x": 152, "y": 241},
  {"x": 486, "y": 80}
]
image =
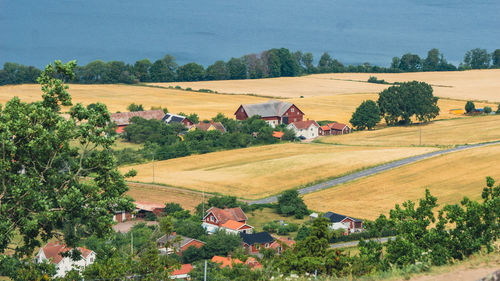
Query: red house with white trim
[
  {"x": 339, "y": 129},
  {"x": 232, "y": 220}
]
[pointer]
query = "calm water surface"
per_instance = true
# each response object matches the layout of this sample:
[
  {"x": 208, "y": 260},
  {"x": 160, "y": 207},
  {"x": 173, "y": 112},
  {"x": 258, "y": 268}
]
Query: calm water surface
[{"x": 355, "y": 31}]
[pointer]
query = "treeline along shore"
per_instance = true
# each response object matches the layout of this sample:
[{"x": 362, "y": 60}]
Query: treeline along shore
[{"x": 268, "y": 64}]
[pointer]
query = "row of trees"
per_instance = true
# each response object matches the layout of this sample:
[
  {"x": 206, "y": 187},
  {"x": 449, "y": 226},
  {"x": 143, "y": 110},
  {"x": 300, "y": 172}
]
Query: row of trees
[
  {"x": 398, "y": 104},
  {"x": 164, "y": 142},
  {"x": 270, "y": 63}
]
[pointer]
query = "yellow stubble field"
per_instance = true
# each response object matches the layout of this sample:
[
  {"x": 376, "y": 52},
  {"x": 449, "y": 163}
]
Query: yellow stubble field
[
  {"x": 445, "y": 132},
  {"x": 117, "y": 97},
  {"x": 258, "y": 172},
  {"x": 449, "y": 177},
  {"x": 472, "y": 84}
]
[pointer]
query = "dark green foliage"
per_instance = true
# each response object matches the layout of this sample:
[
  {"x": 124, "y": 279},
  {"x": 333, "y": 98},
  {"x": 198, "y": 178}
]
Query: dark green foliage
[
  {"x": 487, "y": 109},
  {"x": 374, "y": 79},
  {"x": 150, "y": 216},
  {"x": 217, "y": 71},
  {"x": 495, "y": 58},
  {"x": 398, "y": 104},
  {"x": 366, "y": 116},
  {"x": 190, "y": 228},
  {"x": 236, "y": 69},
  {"x": 46, "y": 158},
  {"x": 13, "y": 73},
  {"x": 286, "y": 229},
  {"x": 130, "y": 174},
  {"x": 220, "y": 244},
  {"x": 410, "y": 62},
  {"x": 192, "y": 254},
  {"x": 135, "y": 107},
  {"x": 142, "y": 70},
  {"x": 498, "y": 109},
  {"x": 303, "y": 232},
  {"x": 470, "y": 106},
  {"x": 171, "y": 208},
  {"x": 190, "y": 72},
  {"x": 477, "y": 59},
  {"x": 290, "y": 204}
]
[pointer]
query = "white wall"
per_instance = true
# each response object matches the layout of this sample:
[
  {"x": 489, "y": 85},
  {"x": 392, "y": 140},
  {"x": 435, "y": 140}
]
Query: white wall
[{"x": 309, "y": 133}]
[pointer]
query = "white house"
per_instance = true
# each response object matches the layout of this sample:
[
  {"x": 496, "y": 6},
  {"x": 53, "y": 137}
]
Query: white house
[
  {"x": 349, "y": 224},
  {"x": 52, "y": 252},
  {"x": 306, "y": 129}
]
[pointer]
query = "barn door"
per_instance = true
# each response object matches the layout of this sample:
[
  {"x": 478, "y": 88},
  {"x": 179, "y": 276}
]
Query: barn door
[{"x": 285, "y": 120}]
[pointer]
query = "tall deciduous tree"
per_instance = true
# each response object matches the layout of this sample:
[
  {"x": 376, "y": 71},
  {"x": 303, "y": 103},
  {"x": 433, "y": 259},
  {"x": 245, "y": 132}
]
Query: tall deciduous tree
[
  {"x": 495, "y": 57},
  {"x": 45, "y": 164},
  {"x": 366, "y": 116},
  {"x": 398, "y": 104},
  {"x": 477, "y": 59}
]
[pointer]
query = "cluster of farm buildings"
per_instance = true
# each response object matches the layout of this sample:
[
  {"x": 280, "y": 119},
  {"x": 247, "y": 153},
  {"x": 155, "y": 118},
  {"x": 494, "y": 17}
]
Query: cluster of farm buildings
[
  {"x": 273, "y": 112},
  {"x": 230, "y": 220}
]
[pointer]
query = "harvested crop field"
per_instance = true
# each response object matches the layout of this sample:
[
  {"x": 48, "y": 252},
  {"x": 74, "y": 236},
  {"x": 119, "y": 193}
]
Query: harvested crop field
[
  {"x": 117, "y": 97},
  {"x": 161, "y": 195},
  {"x": 473, "y": 84},
  {"x": 445, "y": 132},
  {"x": 449, "y": 177},
  {"x": 258, "y": 172}
]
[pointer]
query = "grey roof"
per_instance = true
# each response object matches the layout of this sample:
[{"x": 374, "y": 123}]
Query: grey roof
[
  {"x": 267, "y": 109},
  {"x": 183, "y": 240},
  {"x": 334, "y": 217},
  {"x": 172, "y": 118},
  {"x": 259, "y": 238}
]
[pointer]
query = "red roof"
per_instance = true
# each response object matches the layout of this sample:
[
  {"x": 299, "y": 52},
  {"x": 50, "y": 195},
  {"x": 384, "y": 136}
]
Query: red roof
[
  {"x": 54, "y": 250},
  {"x": 123, "y": 118},
  {"x": 325, "y": 128},
  {"x": 284, "y": 240},
  {"x": 338, "y": 126},
  {"x": 205, "y": 126},
  {"x": 225, "y": 261},
  {"x": 278, "y": 134},
  {"x": 185, "y": 269},
  {"x": 234, "y": 225},
  {"x": 305, "y": 124},
  {"x": 223, "y": 215}
]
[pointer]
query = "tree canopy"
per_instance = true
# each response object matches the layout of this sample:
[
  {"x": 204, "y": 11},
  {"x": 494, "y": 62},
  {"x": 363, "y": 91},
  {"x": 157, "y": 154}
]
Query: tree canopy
[
  {"x": 44, "y": 161},
  {"x": 399, "y": 103},
  {"x": 366, "y": 116}
]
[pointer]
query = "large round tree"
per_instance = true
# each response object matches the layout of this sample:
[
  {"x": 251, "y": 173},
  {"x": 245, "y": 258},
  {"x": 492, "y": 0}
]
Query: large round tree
[
  {"x": 366, "y": 116},
  {"x": 399, "y": 103},
  {"x": 58, "y": 177}
]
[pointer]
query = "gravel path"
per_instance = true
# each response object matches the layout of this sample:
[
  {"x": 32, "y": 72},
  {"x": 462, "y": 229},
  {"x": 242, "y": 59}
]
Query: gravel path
[{"x": 374, "y": 170}]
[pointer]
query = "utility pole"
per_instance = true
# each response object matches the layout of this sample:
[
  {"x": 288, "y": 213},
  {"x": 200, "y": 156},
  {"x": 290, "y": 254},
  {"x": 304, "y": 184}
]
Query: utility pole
[
  {"x": 153, "y": 167},
  {"x": 205, "y": 273},
  {"x": 131, "y": 243},
  {"x": 203, "y": 204}
]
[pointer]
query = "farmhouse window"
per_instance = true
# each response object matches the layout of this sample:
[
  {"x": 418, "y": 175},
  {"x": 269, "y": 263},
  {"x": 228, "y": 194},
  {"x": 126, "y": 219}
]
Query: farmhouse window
[
  {"x": 242, "y": 110},
  {"x": 292, "y": 110},
  {"x": 267, "y": 245}
]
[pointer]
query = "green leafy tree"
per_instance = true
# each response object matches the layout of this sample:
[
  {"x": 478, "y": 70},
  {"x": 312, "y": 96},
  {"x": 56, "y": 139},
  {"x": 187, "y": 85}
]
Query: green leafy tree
[
  {"x": 366, "y": 116},
  {"x": 217, "y": 71},
  {"x": 477, "y": 59},
  {"x": 487, "y": 109},
  {"x": 141, "y": 70},
  {"x": 410, "y": 62},
  {"x": 303, "y": 232},
  {"x": 398, "y": 104},
  {"x": 220, "y": 244},
  {"x": 135, "y": 107},
  {"x": 289, "y": 204},
  {"x": 236, "y": 69},
  {"x": 498, "y": 109},
  {"x": 470, "y": 106},
  {"x": 45, "y": 158},
  {"x": 190, "y": 72},
  {"x": 495, "y": 58}
]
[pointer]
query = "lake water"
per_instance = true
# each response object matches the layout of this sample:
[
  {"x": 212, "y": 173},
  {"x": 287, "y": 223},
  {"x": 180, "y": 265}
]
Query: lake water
[{"x": 354, "y": 31}]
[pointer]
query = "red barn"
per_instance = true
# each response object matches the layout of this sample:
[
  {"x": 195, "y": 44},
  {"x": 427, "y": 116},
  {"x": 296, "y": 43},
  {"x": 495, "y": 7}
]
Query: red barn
[
  {"x": 339, "y": 128},
  {"x": 122, "y": 119},
  {"x": 274, "y": 112}
]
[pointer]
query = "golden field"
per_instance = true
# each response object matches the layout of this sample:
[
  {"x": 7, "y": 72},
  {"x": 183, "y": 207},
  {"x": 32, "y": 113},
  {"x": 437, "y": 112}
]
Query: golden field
[
  {"x": 444, "y": 132},
  {"x": 449, "y": 177},
  {"x": 117, "y": 97},
  {"x": 161, "y": 195},
  {"x": 472, "y": 84},
  {"x": 258, "y": 172}
]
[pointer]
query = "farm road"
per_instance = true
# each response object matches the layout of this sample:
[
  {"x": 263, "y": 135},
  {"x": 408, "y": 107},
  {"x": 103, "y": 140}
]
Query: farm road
[{"x": 374, "y": 170}]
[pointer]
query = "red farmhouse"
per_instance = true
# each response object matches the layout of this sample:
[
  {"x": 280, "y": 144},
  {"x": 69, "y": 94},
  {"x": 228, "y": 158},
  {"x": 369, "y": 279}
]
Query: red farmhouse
[
  {"x": 274, "y": 112},
  {"x": 123, "y": 119},
  {"x": 229, "y": 219}
]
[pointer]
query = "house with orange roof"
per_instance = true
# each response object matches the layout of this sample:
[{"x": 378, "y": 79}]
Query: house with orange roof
[
  {"x": 228, "y": 261},
  {"x": 324, "y": 130},
  {"x": 52, "y": 252},
  {"x": 281, "y": 244},
  {"x": 233, "y": 220},
  {"x": 278, "y": 134},
  {"x": 305, "y": 129},
  {"x": 182, "y": 273}
]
